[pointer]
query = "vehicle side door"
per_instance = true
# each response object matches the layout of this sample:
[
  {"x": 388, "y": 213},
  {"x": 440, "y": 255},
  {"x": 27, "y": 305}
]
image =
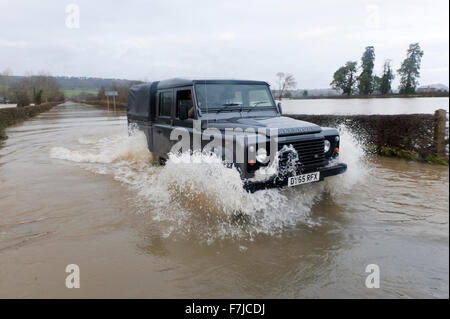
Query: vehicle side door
[
  {"x": 184, "y": 96},
  {"x": 163, "y": 125}
]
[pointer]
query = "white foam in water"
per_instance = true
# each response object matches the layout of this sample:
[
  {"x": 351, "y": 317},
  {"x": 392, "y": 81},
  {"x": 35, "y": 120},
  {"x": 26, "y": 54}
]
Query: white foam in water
[
  {"x": 352, "y": 153},
  {"x": 110, "y": 149},
  {"x": 203, "y": 199},
  {"x": 87, "y": 140}
]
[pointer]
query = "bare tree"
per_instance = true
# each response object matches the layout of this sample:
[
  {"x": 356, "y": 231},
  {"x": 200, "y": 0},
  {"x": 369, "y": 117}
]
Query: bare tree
[
  {"x": 36, "y": 89},
  {"x": 285, "y": 82},
  {"x": 4, "y": 83},
  {"x": 20, "y": 92},
  {"x": 47, "y": 85}
]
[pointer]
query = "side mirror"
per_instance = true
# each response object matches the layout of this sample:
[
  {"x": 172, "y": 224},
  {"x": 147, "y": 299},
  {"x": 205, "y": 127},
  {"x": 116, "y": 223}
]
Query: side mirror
[
  {"x": 183, "y": 112},
  {"x": 279, "y": 107}
]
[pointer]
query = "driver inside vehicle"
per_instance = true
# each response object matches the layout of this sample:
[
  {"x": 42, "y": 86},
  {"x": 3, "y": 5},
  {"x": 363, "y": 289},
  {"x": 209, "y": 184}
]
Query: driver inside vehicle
[
  {"x": 190, "y": 106},
  {"x": 186, "y": 100}
]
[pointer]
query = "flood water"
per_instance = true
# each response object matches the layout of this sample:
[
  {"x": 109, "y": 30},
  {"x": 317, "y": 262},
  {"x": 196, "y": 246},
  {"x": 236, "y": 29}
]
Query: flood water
[
  {"x": 76, "y": 189},
  {"x": 4, "y": 106},
  {"x": 425, "y": 105}
]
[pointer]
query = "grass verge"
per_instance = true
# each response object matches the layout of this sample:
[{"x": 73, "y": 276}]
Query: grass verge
[{"x": 14, "y": 115}]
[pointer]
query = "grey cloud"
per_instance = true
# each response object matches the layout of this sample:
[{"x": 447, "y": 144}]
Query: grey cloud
[{"x": 239, "y": 39}]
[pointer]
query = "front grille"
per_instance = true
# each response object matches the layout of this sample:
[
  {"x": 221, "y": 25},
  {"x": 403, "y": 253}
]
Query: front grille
[{"x": 310, "y": 152}]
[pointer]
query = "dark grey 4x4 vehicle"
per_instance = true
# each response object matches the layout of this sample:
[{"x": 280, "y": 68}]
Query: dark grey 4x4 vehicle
[{"x": 243, "y": 116}]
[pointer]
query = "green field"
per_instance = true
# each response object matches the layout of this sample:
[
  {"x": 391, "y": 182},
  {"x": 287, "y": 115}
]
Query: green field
[{"x": 72, "y": 93}]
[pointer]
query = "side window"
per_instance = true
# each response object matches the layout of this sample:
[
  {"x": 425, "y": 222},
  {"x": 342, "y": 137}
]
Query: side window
[
  {"x": 165, "y": 104},
  {"x": 184, "y": 97}
]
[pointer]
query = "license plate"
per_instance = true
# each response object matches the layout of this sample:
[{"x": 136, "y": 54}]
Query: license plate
[{"x": 303, "y": 179}]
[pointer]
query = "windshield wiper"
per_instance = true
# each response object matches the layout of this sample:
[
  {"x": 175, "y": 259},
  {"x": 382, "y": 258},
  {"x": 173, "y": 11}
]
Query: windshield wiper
[
  {"x": 259, "y": 102},
  {"x": 231, "y": 104},
  {"x": 227, "y": 107}
]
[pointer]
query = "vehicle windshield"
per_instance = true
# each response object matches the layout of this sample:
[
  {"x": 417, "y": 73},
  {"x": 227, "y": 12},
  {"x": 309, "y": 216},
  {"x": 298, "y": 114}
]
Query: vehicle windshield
[{"x": 233, "y": 96}]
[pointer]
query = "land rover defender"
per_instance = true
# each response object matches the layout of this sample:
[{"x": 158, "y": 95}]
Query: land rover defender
[{"x": 243, "y": 115}]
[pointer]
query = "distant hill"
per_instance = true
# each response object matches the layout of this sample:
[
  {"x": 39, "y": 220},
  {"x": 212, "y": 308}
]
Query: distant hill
[
  {"x": 82, "y": 83},
  {"x": 433, "y": 88},
  {"x": 302, "y": 93},
  {"x": 316, "y": 92}
]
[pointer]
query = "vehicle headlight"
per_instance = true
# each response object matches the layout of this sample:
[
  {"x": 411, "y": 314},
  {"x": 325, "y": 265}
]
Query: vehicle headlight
[
  {"x": 326, "y": 146},
  {"x": 261, "y": 155}
]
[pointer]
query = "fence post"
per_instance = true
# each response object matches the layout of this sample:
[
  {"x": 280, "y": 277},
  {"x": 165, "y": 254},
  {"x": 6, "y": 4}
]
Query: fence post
[{"x": 440, "y": 117}]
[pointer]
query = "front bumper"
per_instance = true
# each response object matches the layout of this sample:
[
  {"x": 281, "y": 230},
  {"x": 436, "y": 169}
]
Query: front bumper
[{"x": 253, "y": 186}]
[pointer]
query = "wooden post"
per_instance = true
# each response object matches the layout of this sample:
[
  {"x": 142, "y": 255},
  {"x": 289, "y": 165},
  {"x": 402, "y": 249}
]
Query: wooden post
[
  {"x": 107, "y": 101},
  {"x": 114, "y": 101},
  {"x": 440, "y": 117}
]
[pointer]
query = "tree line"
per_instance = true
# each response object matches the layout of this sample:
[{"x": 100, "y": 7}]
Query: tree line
[
  {"x": 35, "y": 89},
  {"x": 346, "y": 79}
]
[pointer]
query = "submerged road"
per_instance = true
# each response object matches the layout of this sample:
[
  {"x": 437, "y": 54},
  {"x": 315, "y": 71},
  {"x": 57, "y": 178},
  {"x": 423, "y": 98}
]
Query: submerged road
[{"x": 76, "y": 189}]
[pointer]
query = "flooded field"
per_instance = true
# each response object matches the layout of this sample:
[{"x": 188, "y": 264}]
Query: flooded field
[
  {"x": 76, "y": 189},
  {"x": 366, "y": 106},
  {"x": 4, "y": 106}
]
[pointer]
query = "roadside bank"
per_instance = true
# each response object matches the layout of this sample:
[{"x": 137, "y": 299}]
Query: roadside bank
[{"x": 14, "y": 115}]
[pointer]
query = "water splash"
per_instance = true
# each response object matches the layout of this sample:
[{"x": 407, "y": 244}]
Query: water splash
[
  {"x": 201, "y": 198},
  {"x": 353, "y": 154},
  {"x": 106, "y": 150}
]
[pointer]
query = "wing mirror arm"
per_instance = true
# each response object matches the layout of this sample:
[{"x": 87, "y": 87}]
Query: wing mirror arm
[{"x": 280, "y": 108}]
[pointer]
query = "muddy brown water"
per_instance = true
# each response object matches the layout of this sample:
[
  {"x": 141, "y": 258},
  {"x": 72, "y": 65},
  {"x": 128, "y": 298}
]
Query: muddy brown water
[{"x": 75, "y": 189}]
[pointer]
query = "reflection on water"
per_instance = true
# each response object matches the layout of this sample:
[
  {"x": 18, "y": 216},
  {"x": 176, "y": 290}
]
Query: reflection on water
[{"x": 76, "y": 189}]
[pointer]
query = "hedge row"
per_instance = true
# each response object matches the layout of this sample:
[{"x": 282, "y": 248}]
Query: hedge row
[
  {"x": 14, "y": 115},
  {"x": 405, "y": 135}
]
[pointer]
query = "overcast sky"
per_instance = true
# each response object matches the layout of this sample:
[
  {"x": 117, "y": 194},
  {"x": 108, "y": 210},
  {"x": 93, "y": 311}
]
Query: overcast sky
[{"x": 152, "y": 40}]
